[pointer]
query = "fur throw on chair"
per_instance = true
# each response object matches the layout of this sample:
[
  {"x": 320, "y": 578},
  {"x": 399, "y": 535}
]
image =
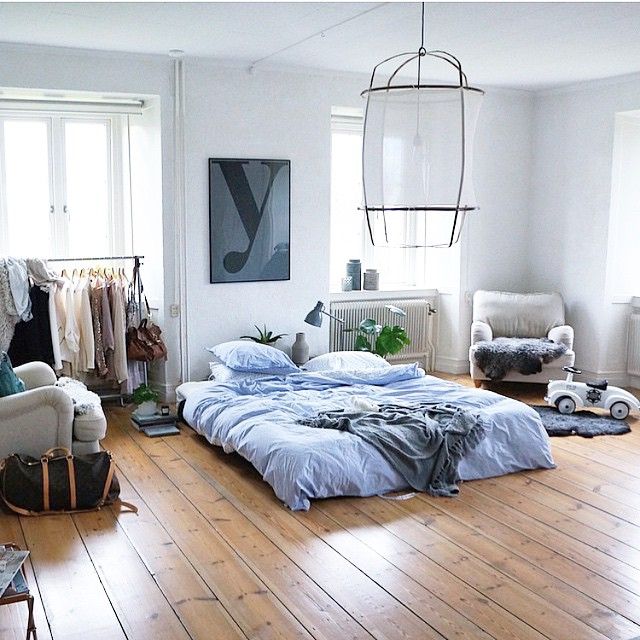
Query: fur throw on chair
[{"x": 498, "y": 357}]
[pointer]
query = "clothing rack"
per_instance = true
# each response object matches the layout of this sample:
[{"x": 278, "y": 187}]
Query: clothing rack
[{"x": 139, "y": 297}]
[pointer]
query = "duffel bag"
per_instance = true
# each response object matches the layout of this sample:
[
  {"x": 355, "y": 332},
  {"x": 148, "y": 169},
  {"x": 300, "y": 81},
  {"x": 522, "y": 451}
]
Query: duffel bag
[{"x": 59, "y": 482}]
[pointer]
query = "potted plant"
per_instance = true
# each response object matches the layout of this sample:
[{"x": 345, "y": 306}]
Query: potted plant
[
  {"x": 383, "y": 340},
  {"x": 264, "y": 336},
  {"x": 146, "y": 399}
]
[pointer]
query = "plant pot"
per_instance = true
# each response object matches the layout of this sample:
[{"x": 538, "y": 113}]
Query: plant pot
[{"x": 147, "y": 408}]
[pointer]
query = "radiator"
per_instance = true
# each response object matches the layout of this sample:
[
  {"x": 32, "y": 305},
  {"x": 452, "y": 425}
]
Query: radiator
[
  {"x": 633, "y": 347},
  {"x": 419, "y": 325}
]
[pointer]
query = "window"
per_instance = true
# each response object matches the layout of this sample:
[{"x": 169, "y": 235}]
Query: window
[
  {"x": 624, "y": 217},
  {"x": 63, "y": 184},
  {"x": 399, "y": 268}
]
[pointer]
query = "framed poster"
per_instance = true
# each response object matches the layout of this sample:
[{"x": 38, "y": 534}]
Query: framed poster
[{"x": 249, "y": 220}]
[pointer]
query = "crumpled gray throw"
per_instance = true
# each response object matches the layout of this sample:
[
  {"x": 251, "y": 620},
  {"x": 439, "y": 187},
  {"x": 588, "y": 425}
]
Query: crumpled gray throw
[
  {"x": 498, "y": 357},
  {"x": 423, "y": 442}
]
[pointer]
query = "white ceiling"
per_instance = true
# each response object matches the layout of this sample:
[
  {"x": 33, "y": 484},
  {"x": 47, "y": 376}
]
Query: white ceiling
[{"x": 525, "y": 45}]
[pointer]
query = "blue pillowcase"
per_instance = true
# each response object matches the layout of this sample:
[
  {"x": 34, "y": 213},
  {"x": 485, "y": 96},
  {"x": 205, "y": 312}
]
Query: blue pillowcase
[
  {"x": 10, "y": 384},
  {"x": 254, "y": 357}
]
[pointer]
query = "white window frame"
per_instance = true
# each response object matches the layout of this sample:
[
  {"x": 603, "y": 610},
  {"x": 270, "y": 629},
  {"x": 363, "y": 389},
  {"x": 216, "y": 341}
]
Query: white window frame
[
  {"x": 354, "y": 124},
  {"x": 118, "y": 205}
]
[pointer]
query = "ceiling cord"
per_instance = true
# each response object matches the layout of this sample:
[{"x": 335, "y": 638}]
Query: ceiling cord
[{"x": 320, "y": 33}]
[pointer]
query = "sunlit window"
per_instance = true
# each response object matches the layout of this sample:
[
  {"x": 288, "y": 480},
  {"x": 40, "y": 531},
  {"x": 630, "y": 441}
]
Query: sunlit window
[
  {"x": 398, "y": 268},
  {"x": 61, "y": 185},
  {"x": 624, "y": 220}
]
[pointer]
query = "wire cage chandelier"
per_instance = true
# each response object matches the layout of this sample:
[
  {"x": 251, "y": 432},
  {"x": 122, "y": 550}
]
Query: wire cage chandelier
[{"x": 417, "y": 152}]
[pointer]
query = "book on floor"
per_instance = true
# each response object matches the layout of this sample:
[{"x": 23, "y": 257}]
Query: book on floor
[
  {"x": 160, "y": 430},
  {"x": 155, "y": 419}
]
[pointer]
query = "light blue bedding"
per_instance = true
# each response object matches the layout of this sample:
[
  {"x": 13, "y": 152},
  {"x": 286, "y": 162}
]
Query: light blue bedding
[{"x": 258, "y": 419}]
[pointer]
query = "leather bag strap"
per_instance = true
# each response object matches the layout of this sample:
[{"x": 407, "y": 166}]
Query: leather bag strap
[
  {"x": 107, "y": 483},
  {"x": 72, "y": 483},
  {"x": 50, "y": 453},
  {"x": 45, "y": 483}
]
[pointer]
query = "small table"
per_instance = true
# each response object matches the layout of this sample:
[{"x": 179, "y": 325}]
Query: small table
[{"x": 18, "y": 591}]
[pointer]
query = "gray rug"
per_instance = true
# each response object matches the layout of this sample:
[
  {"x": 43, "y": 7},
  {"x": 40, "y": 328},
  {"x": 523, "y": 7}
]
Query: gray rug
[{"x": 581, "y": 423}]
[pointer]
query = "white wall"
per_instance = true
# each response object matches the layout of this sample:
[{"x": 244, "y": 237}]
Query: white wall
[
  {"x": 286, "y": 114},
  {"x": 279, "y": 114},
  {"x": 569, "y": 223}
]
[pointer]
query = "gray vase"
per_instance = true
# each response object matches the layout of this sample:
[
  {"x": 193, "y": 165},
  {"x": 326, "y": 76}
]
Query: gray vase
[
  {"x": 300, "y": 350},
  {"x": 353, "y": 270}
]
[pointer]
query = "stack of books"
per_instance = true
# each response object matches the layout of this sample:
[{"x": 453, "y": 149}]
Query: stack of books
[{"x": 156, "y": 425}]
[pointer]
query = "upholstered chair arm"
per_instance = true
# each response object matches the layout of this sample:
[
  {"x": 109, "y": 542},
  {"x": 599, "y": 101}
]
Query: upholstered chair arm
[
  {"x": 34, "y": 421},
  {"x": 36, "y": 374},
  {"x": 562, "y": 335},
  {"x": 480, "y": 331}
]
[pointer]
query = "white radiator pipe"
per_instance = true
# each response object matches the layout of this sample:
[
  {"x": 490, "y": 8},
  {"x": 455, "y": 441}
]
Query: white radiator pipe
[{"x": 180, "y": 246}]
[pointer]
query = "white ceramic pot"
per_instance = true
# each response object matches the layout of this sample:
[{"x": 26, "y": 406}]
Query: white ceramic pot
[{"x": 147, "y": 408}]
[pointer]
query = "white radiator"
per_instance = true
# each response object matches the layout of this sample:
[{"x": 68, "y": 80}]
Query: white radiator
[
  {"x": 633, "y": 347},
  {"x": 419, "y": 325}
]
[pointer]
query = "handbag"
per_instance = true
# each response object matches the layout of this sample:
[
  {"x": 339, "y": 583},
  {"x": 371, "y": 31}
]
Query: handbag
[
  {"x": 59, "y": 482},
  {"x": 144, "y": 342}
]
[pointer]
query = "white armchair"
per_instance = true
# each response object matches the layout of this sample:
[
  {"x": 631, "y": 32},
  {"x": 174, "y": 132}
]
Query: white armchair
[
  {"x": 521, "y": 315},
  {"x": 42, "y": 417}
]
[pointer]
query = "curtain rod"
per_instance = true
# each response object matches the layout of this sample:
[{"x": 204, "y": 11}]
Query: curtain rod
[{"x": 95, "y": 259}]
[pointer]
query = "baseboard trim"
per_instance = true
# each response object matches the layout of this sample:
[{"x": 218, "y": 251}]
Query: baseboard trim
[{"x": 452, "y": 365}]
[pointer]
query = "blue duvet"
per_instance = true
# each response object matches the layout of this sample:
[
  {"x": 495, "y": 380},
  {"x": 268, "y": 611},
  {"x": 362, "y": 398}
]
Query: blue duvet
[{"x": 259, "y": 420}]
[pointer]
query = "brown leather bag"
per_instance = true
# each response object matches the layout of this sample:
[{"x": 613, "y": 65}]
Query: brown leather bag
[
  {"x": 59, "y": 482},
  {"x": 144, "y": 342}
]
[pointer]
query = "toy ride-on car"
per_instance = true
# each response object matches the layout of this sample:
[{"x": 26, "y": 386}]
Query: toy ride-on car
[{"x": 567, "y": 396}]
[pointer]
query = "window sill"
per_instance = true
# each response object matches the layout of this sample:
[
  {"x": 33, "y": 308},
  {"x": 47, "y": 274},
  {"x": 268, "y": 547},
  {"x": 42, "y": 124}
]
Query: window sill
[{"x": 341, "y": 296}]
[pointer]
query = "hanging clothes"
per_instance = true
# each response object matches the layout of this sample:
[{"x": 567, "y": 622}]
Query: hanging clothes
[
  {"x": 8, "y": 313},
  {"x": 19, "y": 285},
  {"x": 96, "y": 314},
  {"x": 82, "y": 302},
  {"x": 68, "y": 336},
  {"x": 32, "y": 339},
  {"x": 119, "y": 323}
]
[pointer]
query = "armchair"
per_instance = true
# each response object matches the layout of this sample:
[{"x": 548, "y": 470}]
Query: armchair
[
  {"x": 42, "y": 417},
  {"x": 518, "y": 315}
]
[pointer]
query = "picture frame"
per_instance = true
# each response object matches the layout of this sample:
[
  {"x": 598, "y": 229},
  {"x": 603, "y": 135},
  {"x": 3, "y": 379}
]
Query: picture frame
[{"x": 249, "y": 220}]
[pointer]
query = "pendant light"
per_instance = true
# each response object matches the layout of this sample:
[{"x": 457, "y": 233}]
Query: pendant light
[{"x": 417, "y": 151}]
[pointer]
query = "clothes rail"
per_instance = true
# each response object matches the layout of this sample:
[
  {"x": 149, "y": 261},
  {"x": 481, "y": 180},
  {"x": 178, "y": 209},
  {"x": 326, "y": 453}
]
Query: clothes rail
[
  {"x": 139, "y": 296},
  {"x": 95, "y": 259}
]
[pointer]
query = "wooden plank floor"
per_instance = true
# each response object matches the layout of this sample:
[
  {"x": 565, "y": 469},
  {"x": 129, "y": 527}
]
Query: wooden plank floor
[{"x": 213, "y": 555}]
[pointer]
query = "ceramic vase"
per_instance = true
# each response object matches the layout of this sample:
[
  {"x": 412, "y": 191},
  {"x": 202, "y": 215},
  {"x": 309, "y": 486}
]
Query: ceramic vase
[
  {"x": 300, "y": 349},
  {"x": 147, "y": 408}
]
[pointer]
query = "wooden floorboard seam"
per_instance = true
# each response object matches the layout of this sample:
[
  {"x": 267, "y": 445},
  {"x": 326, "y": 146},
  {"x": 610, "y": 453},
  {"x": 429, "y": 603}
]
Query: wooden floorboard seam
[
  {"x": 129, "y": 435},
  {"x": 220, "y": 487}
]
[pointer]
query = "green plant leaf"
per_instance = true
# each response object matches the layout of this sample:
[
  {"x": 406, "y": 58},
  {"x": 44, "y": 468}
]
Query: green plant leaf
[
  {"x": 264, "y": 336},
  {"x": 362, "y": 344},
  {"x": 391, "y": 340},
  {"x": 369, "y": 326},
  {"x": 144, "y": 393}
]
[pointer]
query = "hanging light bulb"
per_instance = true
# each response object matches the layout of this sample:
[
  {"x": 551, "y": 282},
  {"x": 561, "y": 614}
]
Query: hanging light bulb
[{"x": 417, "y": 153}]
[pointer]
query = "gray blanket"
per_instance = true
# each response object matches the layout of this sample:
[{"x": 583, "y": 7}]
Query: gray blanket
[
  {"x": 423, "y": 442},
  {"x": 498, "y": 357}
]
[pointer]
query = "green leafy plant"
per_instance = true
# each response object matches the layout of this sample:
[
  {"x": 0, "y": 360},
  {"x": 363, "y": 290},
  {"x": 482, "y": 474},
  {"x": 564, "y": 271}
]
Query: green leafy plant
[
  {"x": 383, "y": 340},
  {"x": 144, "y": 393},
  {"x": 264, "y": 336}
]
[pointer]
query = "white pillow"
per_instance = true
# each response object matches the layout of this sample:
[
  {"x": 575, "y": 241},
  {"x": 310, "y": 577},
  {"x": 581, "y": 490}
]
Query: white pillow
[
  {"x": 243, "y": 355},
  {"x": 222, "y": 373},
  {"x": 346, "y": 360}
]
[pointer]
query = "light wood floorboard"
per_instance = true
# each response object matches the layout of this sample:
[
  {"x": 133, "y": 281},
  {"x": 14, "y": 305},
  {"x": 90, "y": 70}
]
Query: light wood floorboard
[{"x": 212, "y": 554}]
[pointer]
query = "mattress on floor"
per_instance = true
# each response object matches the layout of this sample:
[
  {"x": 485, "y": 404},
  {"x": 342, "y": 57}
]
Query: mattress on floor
[{"x": 259, "y": 420}]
